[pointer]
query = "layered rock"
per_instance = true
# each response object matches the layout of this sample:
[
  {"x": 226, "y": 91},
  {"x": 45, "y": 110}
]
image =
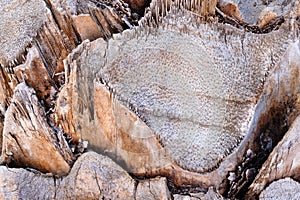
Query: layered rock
[{"x": 28, "y": 140}]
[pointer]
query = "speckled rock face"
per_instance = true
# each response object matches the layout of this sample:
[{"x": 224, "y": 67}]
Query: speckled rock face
[
  {"x": 21, "y": 19},
  {"x": 195, "y": 90}
]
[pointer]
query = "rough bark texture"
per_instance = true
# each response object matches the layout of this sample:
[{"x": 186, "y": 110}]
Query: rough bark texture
[{"x": 196, "y": 100}]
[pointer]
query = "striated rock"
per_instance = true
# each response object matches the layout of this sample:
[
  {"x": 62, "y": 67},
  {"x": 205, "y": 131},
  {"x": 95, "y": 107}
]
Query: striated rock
[
  {"x": 281, "y": 189},
  {"x": 163, "y": 90},
  {"x": 283, "y": 161},
  {"x": 152, "y": 189},
  {"x": 36, "y": 76},
  {"x": 28, "y": 140},
  {"x": 21, "y": 19},
  {"x": 144, "y": 78}
]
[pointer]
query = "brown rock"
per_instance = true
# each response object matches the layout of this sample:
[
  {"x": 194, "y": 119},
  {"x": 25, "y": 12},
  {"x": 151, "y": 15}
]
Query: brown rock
[
  {"x": 34, "y": 72},
  {"x": 231, "y": 9},
  {"x": 265, "y": 17},
  {"x": 28, "y": 140},
  {"x": 86, "y": 27},
  {"x": 152, "y": 189},
  {"x": 138, "y": 6}
]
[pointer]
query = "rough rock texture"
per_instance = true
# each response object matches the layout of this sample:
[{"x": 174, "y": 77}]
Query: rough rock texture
[
  {"x": 178, "y": 94},
  {"x": 210, "y": 194},
  {"x": 93, "y": 176},
  {"x": 35, "y": 74},
  {"x": 28, "y": 140},
  {"x": 252, "y": 10},
  {"x": 162, "y": 89},
  {"x": 284, "y": 161},
  {"x": 152, "y": 189},
  {"x": 21, "y": 19},
  {"x": 281, "y": 190}
]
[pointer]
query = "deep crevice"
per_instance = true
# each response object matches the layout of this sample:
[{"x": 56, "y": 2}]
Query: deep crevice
[{"x": 277, "y": 124}]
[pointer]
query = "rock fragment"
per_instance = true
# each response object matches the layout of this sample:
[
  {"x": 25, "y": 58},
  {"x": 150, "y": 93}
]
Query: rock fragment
[
  {"x": 28, "y": 140},
  {"x": 152, "y": 189},
  {"x": 282, "y": 189}
]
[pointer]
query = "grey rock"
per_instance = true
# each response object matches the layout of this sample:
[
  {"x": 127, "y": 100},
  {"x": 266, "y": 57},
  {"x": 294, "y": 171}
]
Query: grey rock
[
  {"x": 282, "y": 189},
  {"x": 153, "y": 189},
  {"x": 21, "y": 19}
]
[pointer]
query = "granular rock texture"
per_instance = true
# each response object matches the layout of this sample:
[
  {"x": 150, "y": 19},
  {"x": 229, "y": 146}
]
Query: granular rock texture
[{"x": 196, "y": 100}]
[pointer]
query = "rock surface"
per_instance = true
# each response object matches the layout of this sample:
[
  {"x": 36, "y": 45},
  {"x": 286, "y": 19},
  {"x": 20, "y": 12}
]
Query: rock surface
[
  {"x": 281, "y": 189},
  {"x": 28, "y": 140},
  {"x": 93, "y": 176},
  {"x": 152, "y": 189},
  {"x": 203, "y": 118},
  {"x": 162, "y": 90},
  {"x": 21, "y": 19}
]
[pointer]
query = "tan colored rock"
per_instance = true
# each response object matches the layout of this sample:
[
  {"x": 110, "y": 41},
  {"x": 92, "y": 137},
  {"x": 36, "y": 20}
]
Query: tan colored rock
[
  {"x": 86, "y": 27},
  {"x": 231, "y": 9},
  {"x": 281, "y": 190},
  {"x": 265, "y": 17},
  {"x": 152, "y": 189},
  {"x": 118, "y": 95},
  {"x": 28, "y": 140},
  {"x": 163, "y": 90},
  {"x": 34, "y": 72}
]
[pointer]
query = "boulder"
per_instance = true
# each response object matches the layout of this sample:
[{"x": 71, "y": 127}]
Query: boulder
[{"x": 28, "y": 140}]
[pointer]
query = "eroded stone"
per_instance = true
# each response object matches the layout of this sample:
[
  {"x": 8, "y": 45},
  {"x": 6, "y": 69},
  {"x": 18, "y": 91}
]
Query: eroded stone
[
  {"x": 20, "y": 22},
  {"x": 28, "y": 140},
  {"x": 207, "y": 107},
  {"x": 281, "y": 189},
  {"x": 155, "y": 188}
]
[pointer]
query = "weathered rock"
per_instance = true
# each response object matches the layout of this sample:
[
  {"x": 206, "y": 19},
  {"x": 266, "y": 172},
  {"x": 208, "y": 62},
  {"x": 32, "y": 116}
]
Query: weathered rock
[
  {"x": 281, "y": 190},
  {"x": 163, "y": 100},
  {"x": 20, "y": 22},
  {"x": 251, "y": 10},
  {"x": 152, "y": 189},
  {"x": 22, "y": 184},
  {"x": 284, "y": 161},
  {"x": 210, "y": 194},
  {"x": 275, "y": 113},
  {"x": 28, "y": 140},
  {"x": 151, "y": 75},
  {"x": 93, "y": 177},
  {"x": 81, "y": 20},
  {"x": 36, "y": 76}
]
